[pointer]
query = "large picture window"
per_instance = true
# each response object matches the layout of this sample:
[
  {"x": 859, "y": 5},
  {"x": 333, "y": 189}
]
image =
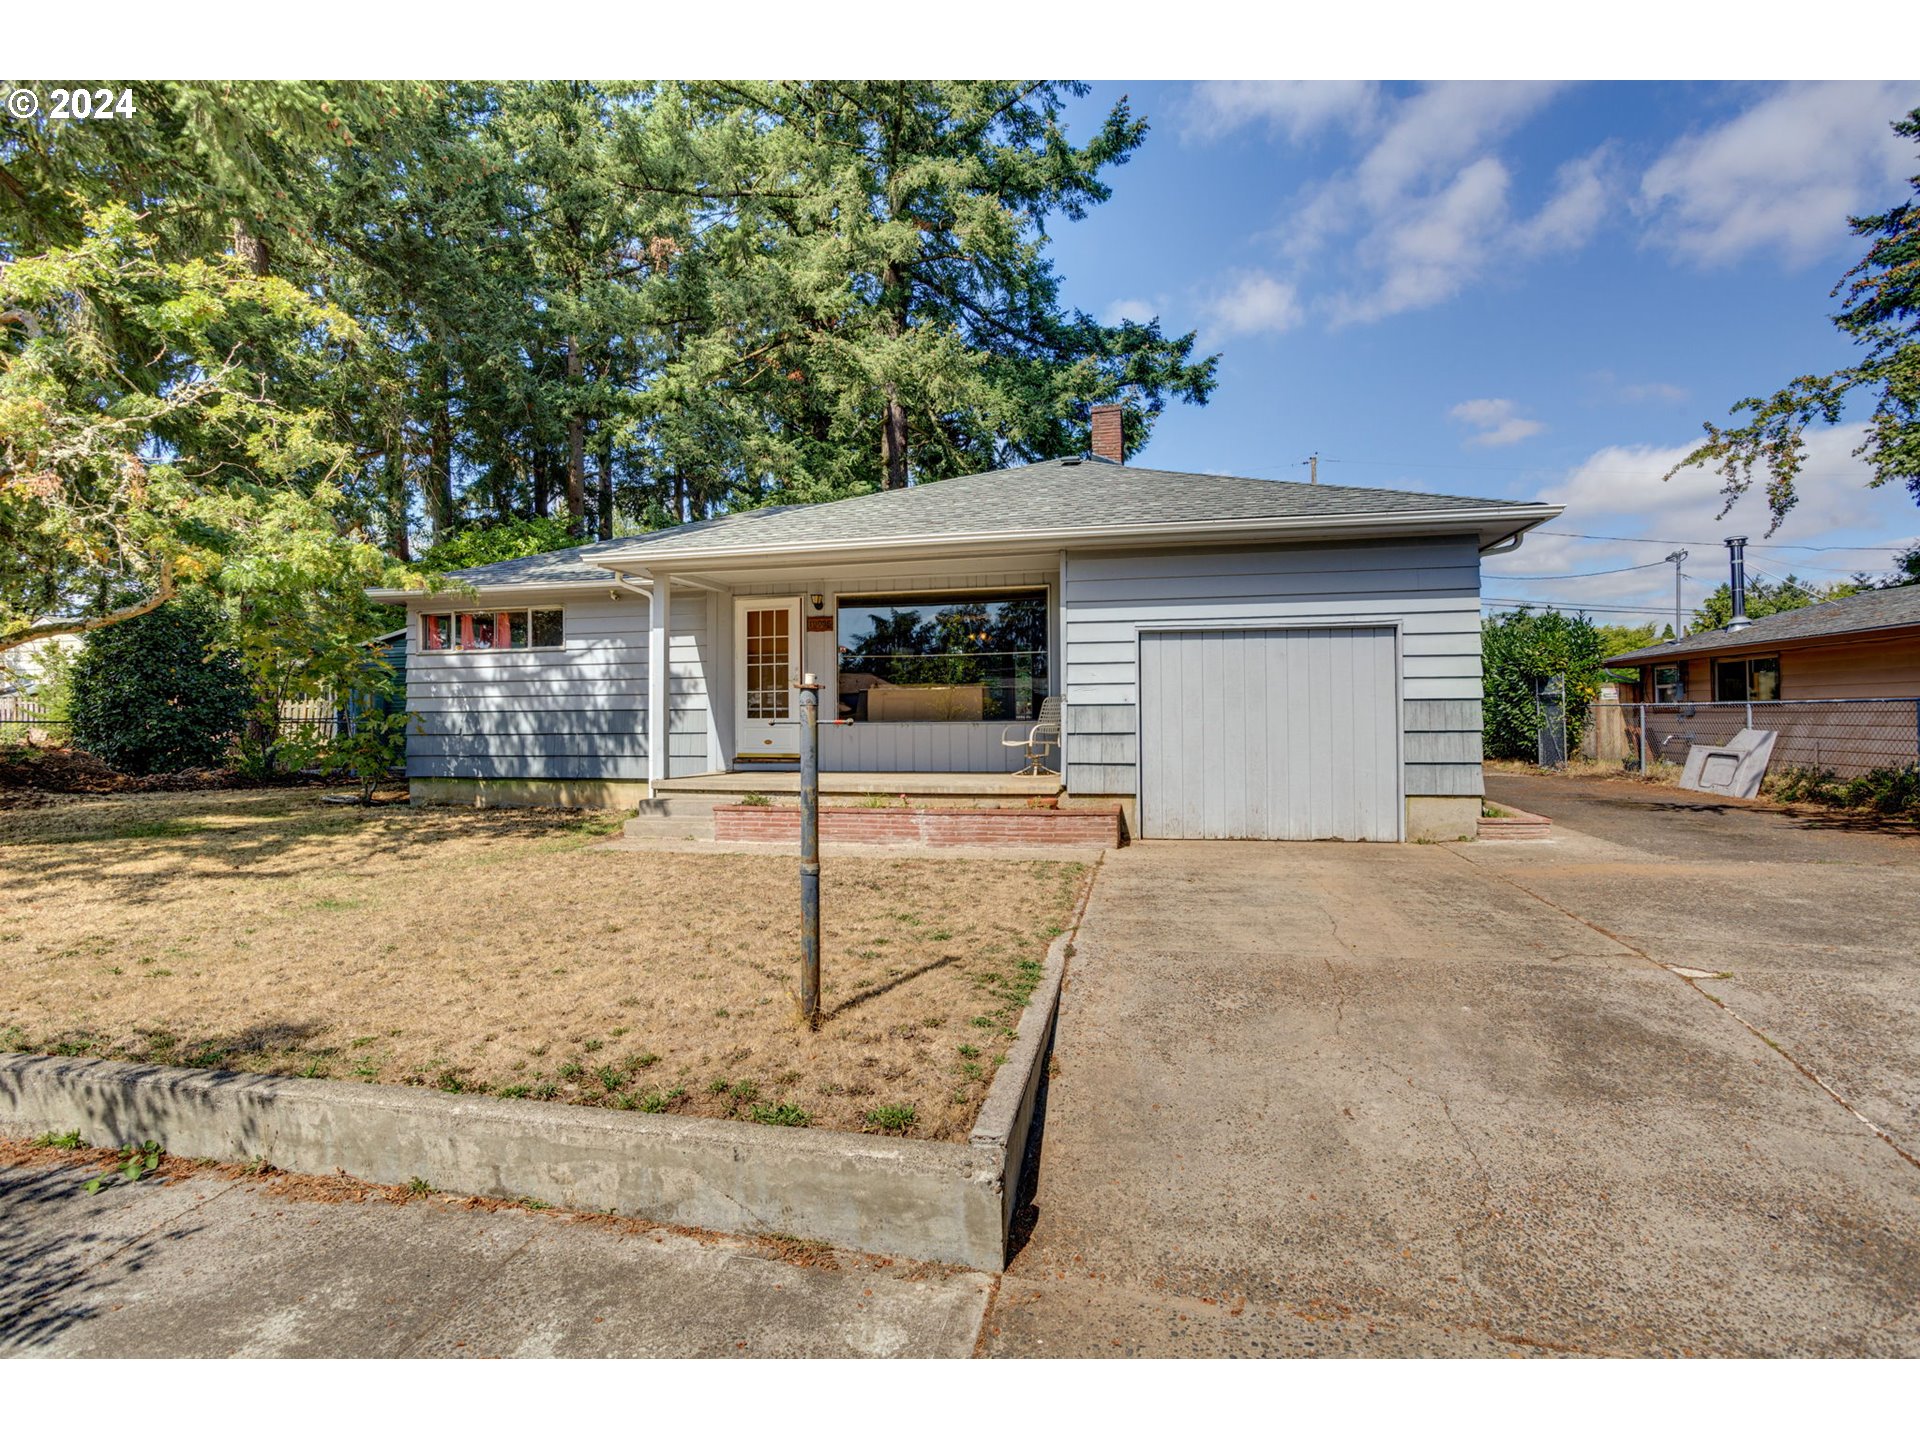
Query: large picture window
[
  {"x": 1757, "y": 678},
  {"x": 943, "y": 657},
  {"x": 493, "y": 630}
]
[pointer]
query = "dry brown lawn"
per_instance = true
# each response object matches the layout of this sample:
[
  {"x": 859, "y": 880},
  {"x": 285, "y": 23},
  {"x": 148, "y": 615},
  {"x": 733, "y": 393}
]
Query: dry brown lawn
[{"x": 507, "y": 952}]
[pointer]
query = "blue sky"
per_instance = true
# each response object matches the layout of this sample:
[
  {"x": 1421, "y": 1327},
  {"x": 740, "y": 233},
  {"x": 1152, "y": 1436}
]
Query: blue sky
[{"x": 1510, "y": 290}]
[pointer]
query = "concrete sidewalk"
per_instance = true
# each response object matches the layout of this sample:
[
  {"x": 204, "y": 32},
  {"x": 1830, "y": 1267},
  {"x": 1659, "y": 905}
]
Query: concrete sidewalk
[{"x": 212, "y": 1266}]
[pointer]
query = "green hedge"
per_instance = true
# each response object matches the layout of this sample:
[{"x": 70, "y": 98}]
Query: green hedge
[{"x": 151, "y": 695}]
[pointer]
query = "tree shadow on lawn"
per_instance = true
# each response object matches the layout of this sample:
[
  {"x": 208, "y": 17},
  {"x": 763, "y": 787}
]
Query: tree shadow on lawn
[
  {"x": 253, "y": 838},
  {"x": 272, "y": 1047}
]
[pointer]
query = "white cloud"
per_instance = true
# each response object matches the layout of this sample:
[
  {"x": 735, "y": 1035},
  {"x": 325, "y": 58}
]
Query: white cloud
[
  {"x": 1427, "y": 208},
  {"x": 1783, "y": 175},
  {"x": 1254, "y": 302},
  {"x": 1581, "y": 199},
  {"x": 1296, "y": 108},
  {"x": 1430, "y": 248},
  {"x": 1495, "y": 422},
  {"x": 1618, "y": 491},
  {"x": 1439, "y": 130},
  {"x": 1133, "y": 309}
]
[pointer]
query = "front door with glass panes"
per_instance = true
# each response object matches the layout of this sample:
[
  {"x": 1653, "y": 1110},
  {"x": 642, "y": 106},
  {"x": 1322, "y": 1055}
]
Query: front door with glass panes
[{"x": 766, "y": 709}]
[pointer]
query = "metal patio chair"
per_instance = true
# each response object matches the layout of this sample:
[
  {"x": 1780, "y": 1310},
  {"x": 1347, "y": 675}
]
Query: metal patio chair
[{"x": 1039, "y": 739}]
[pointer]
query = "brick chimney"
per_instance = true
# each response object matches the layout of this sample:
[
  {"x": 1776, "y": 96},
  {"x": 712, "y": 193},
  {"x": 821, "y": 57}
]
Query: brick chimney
[{"x": 1108, "y": 443}]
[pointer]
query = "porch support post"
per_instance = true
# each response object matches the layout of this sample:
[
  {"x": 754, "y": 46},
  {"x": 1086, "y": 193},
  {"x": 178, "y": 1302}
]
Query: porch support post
[{"x": 659, "y": 628}]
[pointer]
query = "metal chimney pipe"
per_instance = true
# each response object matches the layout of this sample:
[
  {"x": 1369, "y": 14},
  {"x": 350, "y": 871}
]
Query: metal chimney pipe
[{"x": 1737, "y": 561}]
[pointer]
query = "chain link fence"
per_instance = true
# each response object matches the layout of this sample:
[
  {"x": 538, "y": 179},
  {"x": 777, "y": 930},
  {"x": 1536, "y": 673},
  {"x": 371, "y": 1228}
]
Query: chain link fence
[{"x": 1847, "y": 737}]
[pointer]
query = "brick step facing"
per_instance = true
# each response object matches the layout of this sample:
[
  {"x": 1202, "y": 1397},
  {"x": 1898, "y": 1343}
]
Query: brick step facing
[
  {"x": 925, "y": 825},
  {"x": 1515, "y": 825}
]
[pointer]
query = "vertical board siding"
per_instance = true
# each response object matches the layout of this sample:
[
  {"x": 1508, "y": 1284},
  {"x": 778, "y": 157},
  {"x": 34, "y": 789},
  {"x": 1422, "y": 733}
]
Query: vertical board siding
[
  {"x": 1269, "y": 734},
  {"x": 1429, "y": 588},
  {"x": 579, "y": 713}
]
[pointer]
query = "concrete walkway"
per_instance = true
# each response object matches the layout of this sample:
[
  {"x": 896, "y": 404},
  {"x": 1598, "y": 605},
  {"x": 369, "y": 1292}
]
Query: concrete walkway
[
  {"x": 1401, "y": 1100},
  {"x": 213, "y": 1266}
]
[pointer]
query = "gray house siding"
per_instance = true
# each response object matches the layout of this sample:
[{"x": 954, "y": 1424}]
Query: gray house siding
[
  {"x": 1430, "y": 589},
  {"x": 579, "y": 713}
]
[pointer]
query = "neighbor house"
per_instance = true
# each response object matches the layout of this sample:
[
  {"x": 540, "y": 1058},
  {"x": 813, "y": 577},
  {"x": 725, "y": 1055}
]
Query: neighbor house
[
  {"x": 1866, "y": 646},
  {"x": 1837, "y": 683},
  {"x": 1229, "y": 657}
]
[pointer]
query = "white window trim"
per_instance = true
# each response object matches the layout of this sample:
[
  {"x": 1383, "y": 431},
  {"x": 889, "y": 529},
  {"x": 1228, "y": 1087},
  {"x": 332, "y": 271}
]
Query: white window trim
[{"x": 420, "y": 620}]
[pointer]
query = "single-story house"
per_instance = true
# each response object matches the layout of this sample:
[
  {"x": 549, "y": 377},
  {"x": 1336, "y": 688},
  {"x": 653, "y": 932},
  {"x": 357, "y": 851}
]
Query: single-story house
[
  {"x": 1848, "y": 672},
  {"x": 1866, "y": 646},
  {"x": 1229, "y": 657}
]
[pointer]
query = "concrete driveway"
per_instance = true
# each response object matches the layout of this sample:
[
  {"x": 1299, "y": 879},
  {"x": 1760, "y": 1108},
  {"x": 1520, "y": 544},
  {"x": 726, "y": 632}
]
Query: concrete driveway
[{"x": 1345, "y": 1099}]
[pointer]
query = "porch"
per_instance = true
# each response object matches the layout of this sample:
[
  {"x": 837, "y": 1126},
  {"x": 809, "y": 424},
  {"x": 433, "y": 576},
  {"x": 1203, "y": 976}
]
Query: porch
[{"x": 931, "y": 671}]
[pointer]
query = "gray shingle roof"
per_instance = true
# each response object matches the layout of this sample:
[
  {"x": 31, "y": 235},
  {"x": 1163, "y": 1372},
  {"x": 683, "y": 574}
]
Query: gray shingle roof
[
  {"x": 1872, "y": 610},
  {"x": 1052, "y": 496}
]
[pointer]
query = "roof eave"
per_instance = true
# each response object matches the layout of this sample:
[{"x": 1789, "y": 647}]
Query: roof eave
[
  {"x": 1747, "y": 640},
  {"x": 1503, "y": 522},
  {"x": 505, "y": 587}
]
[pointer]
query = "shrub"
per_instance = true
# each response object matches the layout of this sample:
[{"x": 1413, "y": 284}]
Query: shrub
[
  {"x": 1888, "y": 789},
  {"x": 152, "y": 694},
  {"x": 1521, "y": 648}
]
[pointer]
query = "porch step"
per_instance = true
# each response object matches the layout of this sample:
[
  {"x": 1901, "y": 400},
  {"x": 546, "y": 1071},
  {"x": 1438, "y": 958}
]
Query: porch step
[{"x": 674, "y": 817}]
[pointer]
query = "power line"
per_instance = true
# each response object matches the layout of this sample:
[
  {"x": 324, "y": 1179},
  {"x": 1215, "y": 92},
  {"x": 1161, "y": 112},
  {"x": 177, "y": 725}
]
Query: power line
[
  {"x": 1583, "y": 574},
  {"x": 1509, "y": 603},
  {"x": 1755, "y": 545}
]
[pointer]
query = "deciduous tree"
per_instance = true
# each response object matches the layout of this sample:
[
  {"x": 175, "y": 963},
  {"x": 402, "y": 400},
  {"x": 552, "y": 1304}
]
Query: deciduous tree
[{"x": 1882, "y": 316}]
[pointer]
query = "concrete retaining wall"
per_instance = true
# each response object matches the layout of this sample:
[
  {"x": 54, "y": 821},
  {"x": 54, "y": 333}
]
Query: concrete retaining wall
[
  {"x": 928, "y": 1200},
  {"x": 925, "y": 825}
]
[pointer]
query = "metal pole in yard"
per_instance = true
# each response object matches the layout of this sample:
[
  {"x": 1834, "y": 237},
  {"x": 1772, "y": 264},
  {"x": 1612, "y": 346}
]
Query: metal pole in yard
[
  {"x": 1643, "y": 738},
  {"x": 1679, "y": 627},
  {"x": 809, "y": 688}
]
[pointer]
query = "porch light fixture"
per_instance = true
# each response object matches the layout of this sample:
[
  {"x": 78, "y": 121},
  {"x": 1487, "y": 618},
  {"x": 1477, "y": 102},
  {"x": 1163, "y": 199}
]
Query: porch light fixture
[{"x": 819, "y": 601}]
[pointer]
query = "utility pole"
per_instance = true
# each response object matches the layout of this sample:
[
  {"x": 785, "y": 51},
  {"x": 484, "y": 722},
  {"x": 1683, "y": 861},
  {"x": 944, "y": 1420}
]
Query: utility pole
[
  {"x": 1676, "y": 557},
  {"x": 1312, "y": 462},
  {"x": 809, "y": 688}
]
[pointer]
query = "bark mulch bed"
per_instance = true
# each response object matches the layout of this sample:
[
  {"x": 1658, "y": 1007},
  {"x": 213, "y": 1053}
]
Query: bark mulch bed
[{"x": 38, "y": 775}]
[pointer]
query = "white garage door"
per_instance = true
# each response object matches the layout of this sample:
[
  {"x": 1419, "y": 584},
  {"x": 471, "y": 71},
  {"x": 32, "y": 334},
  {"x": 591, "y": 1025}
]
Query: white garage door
[{"x": 1269, "y": 735}]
